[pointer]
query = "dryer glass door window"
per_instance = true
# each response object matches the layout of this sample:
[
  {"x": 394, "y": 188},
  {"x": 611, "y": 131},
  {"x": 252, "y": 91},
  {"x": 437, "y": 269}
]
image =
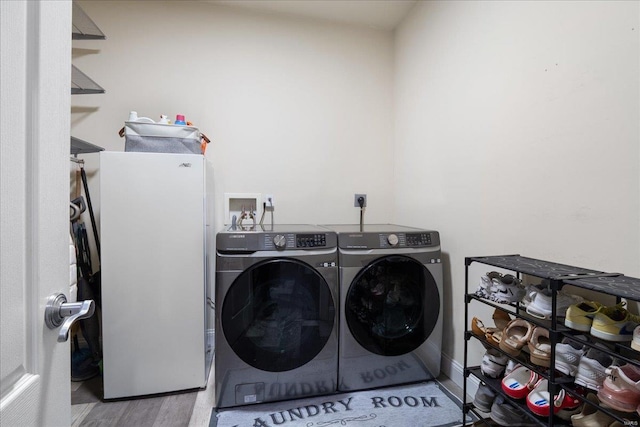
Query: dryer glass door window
[
  {"x": 392, "y": 305},
  {"x": 278, "y": 315}
]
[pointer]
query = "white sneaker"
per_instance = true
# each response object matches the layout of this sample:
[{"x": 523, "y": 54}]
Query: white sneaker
[
  {"x": 530, "y": 290},
  {"x": 635, "y": 343},
  {"x": 568, "y": 355},
  {"x": 592, "y": 369},
  {"x": 493, "y": 363},
  {"x": 507, "y": 289},
  {"x": 541, "y": 303},
  {"x": 486, "y": 288}
]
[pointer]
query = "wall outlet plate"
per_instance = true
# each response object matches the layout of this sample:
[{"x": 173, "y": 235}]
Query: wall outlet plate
[
  {"x": 355, "y": 200},
  {"x": 269, "y": 202}
]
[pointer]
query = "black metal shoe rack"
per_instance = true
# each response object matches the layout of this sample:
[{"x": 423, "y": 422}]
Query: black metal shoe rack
[{"x": 559, "y": 275}]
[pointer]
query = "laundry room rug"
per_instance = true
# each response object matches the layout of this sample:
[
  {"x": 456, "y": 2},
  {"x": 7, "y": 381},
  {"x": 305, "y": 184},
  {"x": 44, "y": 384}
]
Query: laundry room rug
[{"x": 414, "y": 405}]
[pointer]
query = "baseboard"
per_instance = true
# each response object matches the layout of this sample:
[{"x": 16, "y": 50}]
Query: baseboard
[{"x": 455, "y": 372}]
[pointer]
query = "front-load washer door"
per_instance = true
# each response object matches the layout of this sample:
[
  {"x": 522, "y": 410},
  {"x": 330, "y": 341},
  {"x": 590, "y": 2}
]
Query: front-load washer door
[
  {"x": 392, "y": 305},
  {"x": 278, "y": 314}
]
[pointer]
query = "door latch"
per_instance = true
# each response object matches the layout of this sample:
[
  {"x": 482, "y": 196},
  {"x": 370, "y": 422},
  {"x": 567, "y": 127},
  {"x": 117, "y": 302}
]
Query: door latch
[{"x": 60, "y": 312}]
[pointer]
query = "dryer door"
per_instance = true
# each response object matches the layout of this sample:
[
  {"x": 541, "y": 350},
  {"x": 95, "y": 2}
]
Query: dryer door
[
  {"x": 392, "y": 305},
  {"x": 278, "y": 314}
]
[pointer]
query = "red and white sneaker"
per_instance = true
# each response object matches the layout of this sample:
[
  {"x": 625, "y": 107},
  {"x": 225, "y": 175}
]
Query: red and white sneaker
[
  {"x": 621, "y": 389},
  {"x": 519, "y": 382},
  {"x": 539, "y": 403}
]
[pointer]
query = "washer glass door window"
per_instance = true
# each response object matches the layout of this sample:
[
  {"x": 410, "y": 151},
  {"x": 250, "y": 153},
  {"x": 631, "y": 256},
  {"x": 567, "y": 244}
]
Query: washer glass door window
[
  {"x": 278, "y": 314},
  {"x": 392, "y": 305}
]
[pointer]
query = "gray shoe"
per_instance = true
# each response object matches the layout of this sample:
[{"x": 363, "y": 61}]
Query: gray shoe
[
  {"x": 484, "y": 398},
  {"x": 505, "y": 414}
]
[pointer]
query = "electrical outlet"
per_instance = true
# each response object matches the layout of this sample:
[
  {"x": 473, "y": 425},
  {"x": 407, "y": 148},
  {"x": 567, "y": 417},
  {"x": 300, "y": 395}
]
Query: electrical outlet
[
  {"x": 356, "y": 202},
  {"x": 270, "y": 202}
]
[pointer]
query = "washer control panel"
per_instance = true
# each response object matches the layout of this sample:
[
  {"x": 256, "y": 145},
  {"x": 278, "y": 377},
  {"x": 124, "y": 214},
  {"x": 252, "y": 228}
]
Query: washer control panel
[
  {"x": 311, "y": 240},
  {"x": 282, "y": 241},
  {"x": 278, "y": 238},
  {"x": 418, "y": 239}
]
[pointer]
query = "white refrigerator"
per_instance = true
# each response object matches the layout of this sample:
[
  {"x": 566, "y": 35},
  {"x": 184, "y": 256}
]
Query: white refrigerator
[{"x": 156, "y": 221}]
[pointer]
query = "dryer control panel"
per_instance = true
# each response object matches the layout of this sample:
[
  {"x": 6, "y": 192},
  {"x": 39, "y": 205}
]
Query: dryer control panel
[
  {"x": 419, "y": 239},
  {"x": 405, "y": 240}
]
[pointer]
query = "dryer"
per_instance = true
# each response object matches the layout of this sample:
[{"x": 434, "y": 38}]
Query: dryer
[
  {"x": 390, "y": 305},
  {"x": 276, "y": 306}
]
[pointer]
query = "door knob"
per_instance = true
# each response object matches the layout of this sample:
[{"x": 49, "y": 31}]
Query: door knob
[{"x": 60, "y": 312}]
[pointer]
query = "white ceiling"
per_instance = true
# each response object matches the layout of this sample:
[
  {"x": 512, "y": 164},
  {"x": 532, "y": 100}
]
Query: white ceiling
[{"x": 381, "y": 14}]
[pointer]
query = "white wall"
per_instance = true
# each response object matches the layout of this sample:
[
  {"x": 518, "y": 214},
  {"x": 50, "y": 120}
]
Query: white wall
[
  {"x": 295, "y": 108},
  {"x": 517, "y": 131},
  {"x": 513, "y": 128}
]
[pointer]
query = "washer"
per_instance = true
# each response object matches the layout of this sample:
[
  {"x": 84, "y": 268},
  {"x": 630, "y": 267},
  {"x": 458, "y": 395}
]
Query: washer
[
  {"x": 276, "y": 305},
  {"x": 390, "y": 305}
]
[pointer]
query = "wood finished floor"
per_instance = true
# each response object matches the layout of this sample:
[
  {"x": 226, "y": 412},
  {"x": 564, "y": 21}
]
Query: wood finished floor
[{"x": 190, "y": 408}]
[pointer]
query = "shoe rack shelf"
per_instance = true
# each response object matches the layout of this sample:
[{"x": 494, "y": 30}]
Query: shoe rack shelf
[{"x": 558, "y": 275}]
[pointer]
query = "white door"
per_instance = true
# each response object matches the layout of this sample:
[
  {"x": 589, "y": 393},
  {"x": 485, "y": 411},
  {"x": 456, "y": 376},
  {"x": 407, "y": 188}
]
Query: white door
[{"x": 35, "y": 73}]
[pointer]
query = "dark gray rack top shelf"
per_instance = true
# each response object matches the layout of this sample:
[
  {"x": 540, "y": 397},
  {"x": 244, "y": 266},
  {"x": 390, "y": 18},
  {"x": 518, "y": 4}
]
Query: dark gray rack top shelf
[
  {"x": 83, "y": 27},
  {"x": 614, "y": 284},
  {"x": 534, "y": 267},
  {"x": 79, "y": 146},
  {"x": 619, "y": 286},
  {"x": 81, "y": 83}
]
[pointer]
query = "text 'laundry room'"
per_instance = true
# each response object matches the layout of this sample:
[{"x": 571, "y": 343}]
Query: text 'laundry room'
[{"x": 383, "y": 213}]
